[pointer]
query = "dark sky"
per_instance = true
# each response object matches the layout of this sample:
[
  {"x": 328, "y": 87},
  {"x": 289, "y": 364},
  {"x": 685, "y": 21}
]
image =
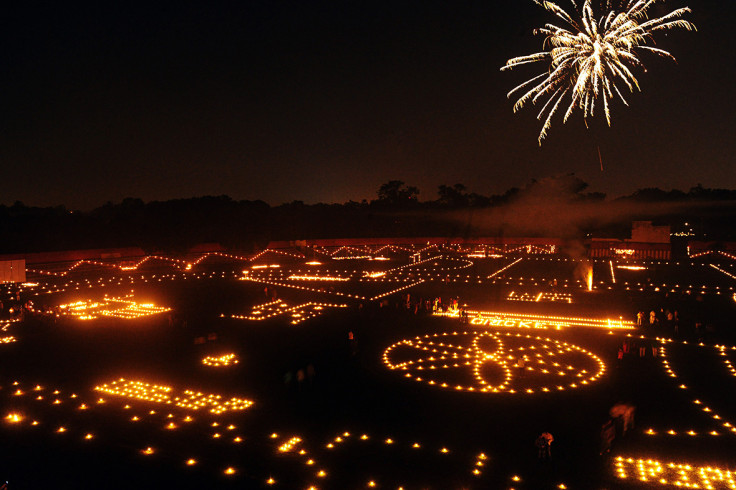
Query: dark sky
[{"x": 325, "y": 101}]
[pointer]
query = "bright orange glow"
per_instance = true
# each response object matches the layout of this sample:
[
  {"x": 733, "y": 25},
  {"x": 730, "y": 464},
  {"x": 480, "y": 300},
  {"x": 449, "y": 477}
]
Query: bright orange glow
[{"x": 14, "y": 418}]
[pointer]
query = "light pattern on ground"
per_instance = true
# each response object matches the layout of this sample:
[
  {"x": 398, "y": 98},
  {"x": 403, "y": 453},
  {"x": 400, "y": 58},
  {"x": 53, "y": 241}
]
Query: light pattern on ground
[
  {"x": 489, "y": 362},
  {"x": 271, "y": 282},
  {"x": 672, "y": 474},
  {"x": 364, "y": 444},
  {"x": 711, "y": 413},
  {"x": 220, "y": 361},
  {"x": 123, "y": 308},
  {"x": 544, "y": 297},
  {"x": 4, "y": 326},
  {"x": 498, "y": 319},
  {"x": 76, "y": 419},
  {"x": 188, "y": 399},
  {"x": 298, "y": 313}
]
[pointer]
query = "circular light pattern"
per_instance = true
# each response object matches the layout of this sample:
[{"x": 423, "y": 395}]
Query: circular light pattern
[{"x": 498, "y": 362}]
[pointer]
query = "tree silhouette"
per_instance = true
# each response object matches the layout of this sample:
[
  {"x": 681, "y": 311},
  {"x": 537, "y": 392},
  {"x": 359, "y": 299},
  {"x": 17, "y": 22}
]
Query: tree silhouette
[{"x": 395, "y": 193}]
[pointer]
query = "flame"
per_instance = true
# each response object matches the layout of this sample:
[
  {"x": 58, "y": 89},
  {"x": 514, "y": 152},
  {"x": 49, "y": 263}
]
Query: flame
[{"x": 589, "y": 278}]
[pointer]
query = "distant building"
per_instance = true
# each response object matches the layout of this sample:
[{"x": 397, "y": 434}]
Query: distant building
[
  {"x": 645, "y": 232},
  {"x": 647, "y": 242}
]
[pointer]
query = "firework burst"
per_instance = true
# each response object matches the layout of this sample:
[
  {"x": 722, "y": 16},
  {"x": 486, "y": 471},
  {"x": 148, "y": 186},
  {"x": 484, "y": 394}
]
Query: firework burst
[{"x": 590, "y": 60}]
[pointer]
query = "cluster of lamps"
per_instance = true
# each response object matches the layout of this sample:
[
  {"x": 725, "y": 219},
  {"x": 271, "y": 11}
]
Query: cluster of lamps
[
  {"x": 542, "y": 296},
  {"x": 298, "y": 313},
  {"x": 221, "y": 361},
  {"x": 189, "y": 399},
  {"x": 122, "y": 308},
  {"x": 673, "y": 474}
]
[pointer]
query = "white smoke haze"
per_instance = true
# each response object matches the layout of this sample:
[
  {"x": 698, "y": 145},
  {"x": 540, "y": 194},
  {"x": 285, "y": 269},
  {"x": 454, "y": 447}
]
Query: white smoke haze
[{"x": 554, "y": 217}]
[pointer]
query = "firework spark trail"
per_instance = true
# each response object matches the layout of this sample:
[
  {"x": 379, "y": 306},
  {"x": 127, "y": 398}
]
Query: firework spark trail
[{"x": 590, "y": 61}]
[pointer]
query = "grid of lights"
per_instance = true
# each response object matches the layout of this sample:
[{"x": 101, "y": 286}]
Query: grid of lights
[
  {"x": 122, "y": 308},
  {"x": 673, "y": 474},
  {"x": 546, "y": 364},
  {"x": 188, "y": 399},
  {"x": 429, "y": 274}
]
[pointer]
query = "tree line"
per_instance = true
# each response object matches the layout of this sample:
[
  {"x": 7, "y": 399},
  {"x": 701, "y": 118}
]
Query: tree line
[{"x": 174, "y": 226}]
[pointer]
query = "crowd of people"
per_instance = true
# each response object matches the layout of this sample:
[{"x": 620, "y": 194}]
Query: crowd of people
[{"x": 420, "y": 306}]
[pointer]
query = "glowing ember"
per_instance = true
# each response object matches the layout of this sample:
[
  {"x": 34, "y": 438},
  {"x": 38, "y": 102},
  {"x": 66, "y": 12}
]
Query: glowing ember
[{"x": 14, "y": 418}]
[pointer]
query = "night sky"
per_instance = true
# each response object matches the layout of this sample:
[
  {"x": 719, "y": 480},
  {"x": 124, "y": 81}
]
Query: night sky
[{"x": 324, "y": 101}]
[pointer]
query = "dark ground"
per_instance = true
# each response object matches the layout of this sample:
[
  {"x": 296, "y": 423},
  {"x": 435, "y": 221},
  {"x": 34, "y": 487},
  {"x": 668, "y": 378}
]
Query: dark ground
[{"x": 354, "y": 393}]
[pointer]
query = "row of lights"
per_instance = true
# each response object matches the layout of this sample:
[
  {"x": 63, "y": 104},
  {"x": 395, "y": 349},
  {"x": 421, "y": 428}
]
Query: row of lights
[
  {"x": 517, "y": 320},
  {"x": 504, "y": 268},
  {"x": 671, "y": 432},
  {"x": 732, "y": 276}
]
